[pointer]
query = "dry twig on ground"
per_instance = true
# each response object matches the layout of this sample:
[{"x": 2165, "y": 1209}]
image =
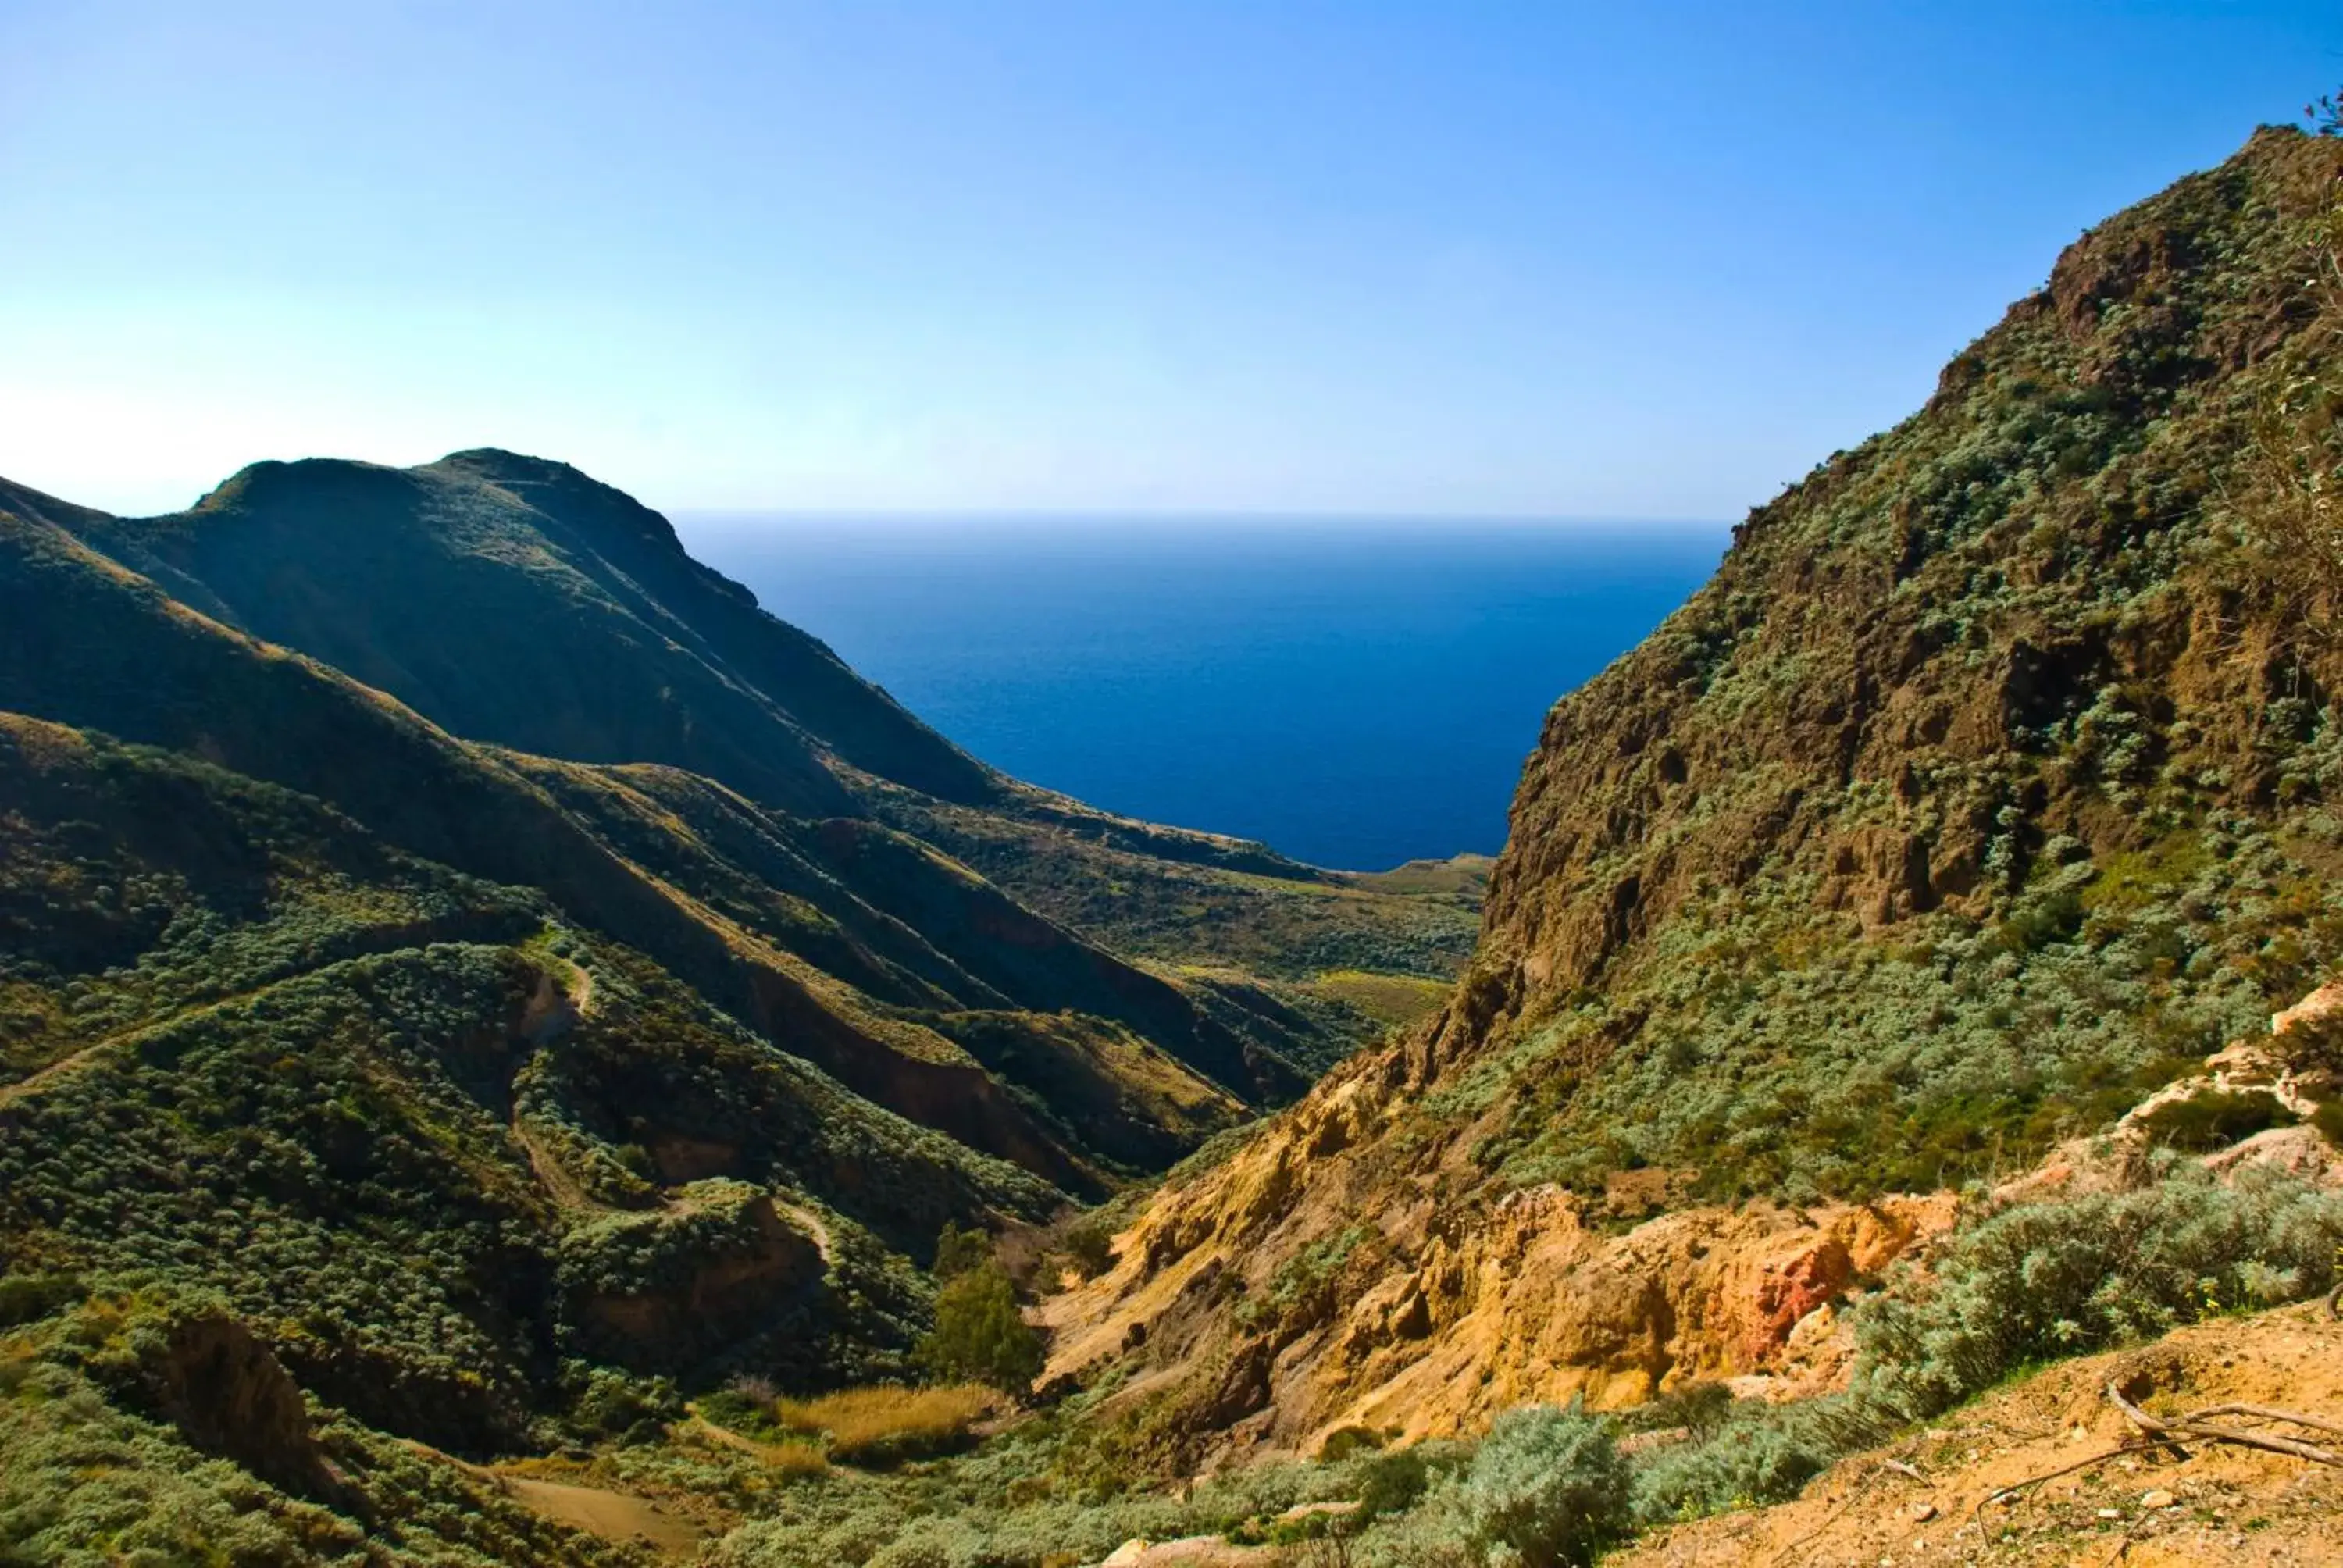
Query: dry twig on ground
[{"x": 2197, "y": 1428}]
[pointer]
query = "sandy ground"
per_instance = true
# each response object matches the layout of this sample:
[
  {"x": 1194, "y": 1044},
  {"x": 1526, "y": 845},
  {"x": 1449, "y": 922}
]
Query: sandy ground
[
  {"x": 2219, "y": 1505},
  {"x": 614, "y": 1515}
]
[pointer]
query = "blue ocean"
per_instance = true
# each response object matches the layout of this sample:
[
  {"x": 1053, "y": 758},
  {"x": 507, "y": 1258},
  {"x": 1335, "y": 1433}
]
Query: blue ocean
[{"x": 1353, "y": 694}]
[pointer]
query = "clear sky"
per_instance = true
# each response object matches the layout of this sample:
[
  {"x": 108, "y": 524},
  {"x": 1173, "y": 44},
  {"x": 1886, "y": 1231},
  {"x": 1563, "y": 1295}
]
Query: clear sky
[{"x": 1621, "y": 260}]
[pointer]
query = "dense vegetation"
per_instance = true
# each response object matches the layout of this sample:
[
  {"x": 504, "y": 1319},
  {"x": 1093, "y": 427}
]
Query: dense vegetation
[{"x": 1991, "y": 781}]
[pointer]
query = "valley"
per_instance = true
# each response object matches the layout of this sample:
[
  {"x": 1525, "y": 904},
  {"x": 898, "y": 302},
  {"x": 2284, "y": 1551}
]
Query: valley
[{"x": 510, "y": 1054}]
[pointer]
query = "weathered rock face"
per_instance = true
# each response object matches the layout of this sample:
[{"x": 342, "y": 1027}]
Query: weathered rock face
[
  {"x": 1310, "y": 1287},
  {"x": 1975, "y": 797},
  {"x": 224, "y": 1390}
]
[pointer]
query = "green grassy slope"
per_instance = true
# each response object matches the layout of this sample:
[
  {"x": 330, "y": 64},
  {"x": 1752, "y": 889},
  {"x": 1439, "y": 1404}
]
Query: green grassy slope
[
  {"x": 463, "y": 1095},
  {"x": 543, "y": 626},
  {"x": 516, "y": 602}
]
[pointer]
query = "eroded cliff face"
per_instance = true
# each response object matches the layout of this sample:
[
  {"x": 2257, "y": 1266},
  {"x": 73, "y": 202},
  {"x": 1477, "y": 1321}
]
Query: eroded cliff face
[
  {"x": 1978, "y": 795},
  {"x": 1339, "y": 1272}
]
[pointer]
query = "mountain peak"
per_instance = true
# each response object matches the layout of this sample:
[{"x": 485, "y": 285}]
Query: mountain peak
[
  {"x": 565, "y": 491},
  {"x": 322, "y": 488}
]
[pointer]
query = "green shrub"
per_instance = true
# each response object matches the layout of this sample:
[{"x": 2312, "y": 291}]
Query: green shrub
[
  {"x": 980, "y": 1334},
  {"x": 1091, "y": 1247},
  {"x": 958, "y": 1250},
  {"x": 1700, "y": 1408},
  {"x": 1548, "y": 1489},
  {"x": 932, "y": 1542},
  {"x": 2064, "y": 1277},
  {"x": 2314, "y": 1044},
  {"x": 1757, "y": 1453},
  {"x": 25, "y": 1298},
  {"x": 1346, "y": 1442},
  {"x": 2214, "y": 1120},
  {"x": 611, "y": 1404},
  {"x": 1393, "y": 1483}
]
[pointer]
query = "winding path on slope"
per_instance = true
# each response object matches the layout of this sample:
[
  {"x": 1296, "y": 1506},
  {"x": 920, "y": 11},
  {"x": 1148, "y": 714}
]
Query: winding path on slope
[{"x": 73, "y": 1061}]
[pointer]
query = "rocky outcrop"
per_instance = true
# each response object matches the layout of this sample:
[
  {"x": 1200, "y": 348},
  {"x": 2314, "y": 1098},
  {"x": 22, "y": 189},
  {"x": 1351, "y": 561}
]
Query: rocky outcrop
[
  {"x": 1431, "y": 1316},
  {"x": 1321, "y": 1281},
  {"x": 206, "y": 1374}
]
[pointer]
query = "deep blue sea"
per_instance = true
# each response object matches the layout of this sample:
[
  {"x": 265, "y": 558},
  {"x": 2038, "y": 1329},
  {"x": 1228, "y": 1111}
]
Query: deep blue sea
[{"x": 1355, "y": 694}]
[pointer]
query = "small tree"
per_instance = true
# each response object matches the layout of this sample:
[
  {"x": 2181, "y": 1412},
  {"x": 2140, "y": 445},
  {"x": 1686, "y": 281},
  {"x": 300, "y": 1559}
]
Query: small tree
[
  {"x": 980, "y": 1334},
  {"x": 958, "y": 1251}
]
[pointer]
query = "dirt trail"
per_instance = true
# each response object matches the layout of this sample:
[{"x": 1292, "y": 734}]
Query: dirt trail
[
  {"x": 12, "y": 1093},
  {"x": 581, "y": 1000},
  {"x": 554, "y": 1177},
  {"x": 569, "y": 1195},
  {"x": 74, "y": 1060},
  {"x": 2219, "y": 1505},
  {"x": 699, "y": 1426},
  {"x": 797, "y": 1213}
]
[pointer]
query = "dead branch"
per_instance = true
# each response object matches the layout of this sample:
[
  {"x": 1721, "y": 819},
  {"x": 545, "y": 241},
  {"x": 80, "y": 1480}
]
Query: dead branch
[
  {"x": 2171, "y": 1432},
  {"x": 2147, "y": 1424},
  {"x": 2132, "y": 1446},
  {"x": 2196, "y": 1427},
  {"x": 2268, "y": 1413}
]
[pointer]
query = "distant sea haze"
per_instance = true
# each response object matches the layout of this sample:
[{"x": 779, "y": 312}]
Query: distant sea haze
[{"x": 1354, "y": 693}]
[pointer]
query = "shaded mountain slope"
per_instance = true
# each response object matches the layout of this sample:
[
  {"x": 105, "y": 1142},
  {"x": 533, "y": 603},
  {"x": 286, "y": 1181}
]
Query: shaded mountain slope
[
  {"x": 107, "y": 650},
  {"x": 1987, "y": 787},
  {"x": 516, "y": 602},
  {"x": 395, "y": 1116}
]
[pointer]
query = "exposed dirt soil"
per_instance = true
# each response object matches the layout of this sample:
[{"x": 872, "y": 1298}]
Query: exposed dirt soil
[
  {"x": 613, "y": 1515},
  {"x": 2219, "y": 1505}
]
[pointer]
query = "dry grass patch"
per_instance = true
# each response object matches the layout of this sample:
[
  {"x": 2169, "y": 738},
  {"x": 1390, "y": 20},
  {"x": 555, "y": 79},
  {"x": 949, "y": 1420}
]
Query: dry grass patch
[
  {"x": 790, "y": 1461},
  {"x": 886, "y": 1425}
]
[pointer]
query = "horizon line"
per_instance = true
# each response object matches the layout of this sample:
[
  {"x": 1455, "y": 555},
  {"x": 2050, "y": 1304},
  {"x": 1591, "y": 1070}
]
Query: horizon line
[{"x": 1172, "y": 514}]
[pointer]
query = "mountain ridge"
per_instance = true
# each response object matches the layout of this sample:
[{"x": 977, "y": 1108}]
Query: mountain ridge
[
  {"x": 1977, "y": 795},
  {"x": 1901, "y": 970},
  {"x": 484, "y": 1091}
]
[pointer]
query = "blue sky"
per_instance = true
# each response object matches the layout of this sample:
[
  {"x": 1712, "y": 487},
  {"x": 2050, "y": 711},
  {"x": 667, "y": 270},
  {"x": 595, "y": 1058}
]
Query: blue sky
[{"x": 1627, "y": 261}]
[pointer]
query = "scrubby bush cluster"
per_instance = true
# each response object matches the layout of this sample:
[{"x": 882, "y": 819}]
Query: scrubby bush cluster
[
  {"x": 1776, "y": 1052},
  {"x": 2013, "y": 1286},
  {"x": 2041, "y": 1279},
  {"x": 981, "y": 1333},
  {"x": 2058, "y": 819}
]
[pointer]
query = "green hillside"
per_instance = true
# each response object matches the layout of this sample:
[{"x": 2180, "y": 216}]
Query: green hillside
[
  {"x": 480, "y": 1058},
  {"x": 481, "y": 1003}
]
